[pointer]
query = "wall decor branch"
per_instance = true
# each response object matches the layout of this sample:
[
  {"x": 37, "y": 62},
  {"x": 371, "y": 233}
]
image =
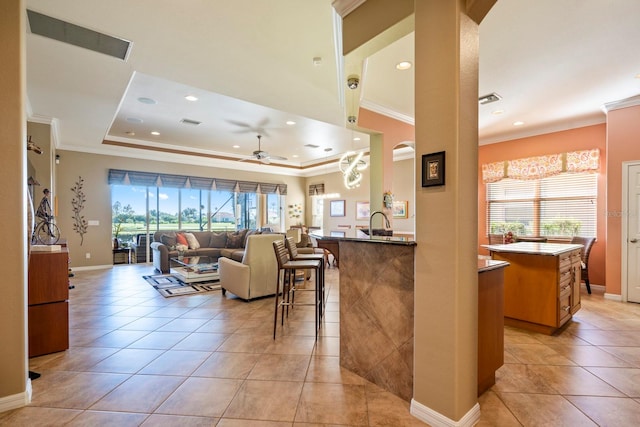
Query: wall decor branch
[{"x": 80, "y": 224}]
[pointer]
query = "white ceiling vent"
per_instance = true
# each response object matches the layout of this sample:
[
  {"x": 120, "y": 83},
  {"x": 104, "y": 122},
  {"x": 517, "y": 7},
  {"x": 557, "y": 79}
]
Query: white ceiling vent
[
  {"x": 311, "y": 145},
  {"x": 190, "y": 122},
  {"x": 66, "y": 32},
  {"x": 488, "y": 99}
]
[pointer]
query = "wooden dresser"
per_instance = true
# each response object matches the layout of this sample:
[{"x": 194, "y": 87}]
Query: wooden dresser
[
  {"x": 48, "y": 302},
  {"x": 542, "y": 285}
]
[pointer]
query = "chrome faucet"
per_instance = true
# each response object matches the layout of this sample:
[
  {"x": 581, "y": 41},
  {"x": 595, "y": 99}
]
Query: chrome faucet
[{"x": 386, "y": 220}]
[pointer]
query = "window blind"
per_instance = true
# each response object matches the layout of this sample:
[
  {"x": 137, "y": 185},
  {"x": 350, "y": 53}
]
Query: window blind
[{"x": 562, "y": 205}]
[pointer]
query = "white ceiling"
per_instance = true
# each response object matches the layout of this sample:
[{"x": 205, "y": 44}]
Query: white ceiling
[{"x": 250, "y": 62}]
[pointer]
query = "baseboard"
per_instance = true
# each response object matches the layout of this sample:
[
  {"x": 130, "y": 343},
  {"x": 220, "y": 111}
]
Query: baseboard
[
  {"x": 91, "y": 267},
  {"x": 16, "y": 401},
  {"x": 436, "y": 419},
  {"x": 613, "y": 297}
]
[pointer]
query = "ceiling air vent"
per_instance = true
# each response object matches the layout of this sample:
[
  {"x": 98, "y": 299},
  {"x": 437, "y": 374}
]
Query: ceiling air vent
[
  {"x": 67, "y": 32},
  {"x": 311, "y": 145},
  {"x": 190, "y": 122},
  {"x": 488, "y": 99}
]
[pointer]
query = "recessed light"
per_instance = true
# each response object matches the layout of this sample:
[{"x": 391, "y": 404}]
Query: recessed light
[
  {"x": 518, "y": 123},
  {"x": 326, "y": 150},
  {"x": 236, "y": 146},
  {"x": 497, "y": 112},
  {"x": 404, "y": 65},
  {"x": 134, "y": 120},
  {"x": 130, "y": 133},
  {"x": 155, "y": 133},
  {"x": 191, "y": 98},
  {"x": 356, "y": 138},
  {"x": 295, "y": 156},
  {"x": 147, "y": 100},
  {"x": 290, "y": 122},
  {"x": 638, "y": 76}
]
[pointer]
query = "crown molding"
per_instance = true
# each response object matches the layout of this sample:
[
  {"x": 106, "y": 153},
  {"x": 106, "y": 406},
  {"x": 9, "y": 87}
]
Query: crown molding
[
  {"x": 385, "y": 111},
  {"x": 634, "y": 101},
  {"x": 345, "y": 7}
]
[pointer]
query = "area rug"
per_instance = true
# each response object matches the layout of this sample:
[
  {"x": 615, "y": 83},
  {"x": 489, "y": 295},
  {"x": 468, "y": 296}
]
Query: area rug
[{"x": 169, "y": 285}]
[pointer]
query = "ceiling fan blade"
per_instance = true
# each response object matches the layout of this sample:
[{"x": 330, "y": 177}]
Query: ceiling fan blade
[{"x": 277, "y": 158}]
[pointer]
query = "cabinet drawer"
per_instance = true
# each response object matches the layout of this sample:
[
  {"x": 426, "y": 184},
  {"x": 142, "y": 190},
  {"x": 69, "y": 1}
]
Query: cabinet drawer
[
  {"x": 564, "y": 261},
  {"x": 564, "y": 308}
]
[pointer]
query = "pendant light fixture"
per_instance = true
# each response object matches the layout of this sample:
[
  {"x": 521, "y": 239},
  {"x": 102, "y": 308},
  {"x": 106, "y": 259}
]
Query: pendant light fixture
[{"x": 351, "y": 163}]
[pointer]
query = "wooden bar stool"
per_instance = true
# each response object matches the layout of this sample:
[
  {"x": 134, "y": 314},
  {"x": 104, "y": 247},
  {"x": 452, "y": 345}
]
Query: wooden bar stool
[
  {"x": 296, "y": 255},
  {"x": 286, "y": 272}
]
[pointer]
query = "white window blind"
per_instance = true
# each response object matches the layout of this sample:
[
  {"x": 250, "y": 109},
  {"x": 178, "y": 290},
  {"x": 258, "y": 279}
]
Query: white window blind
[{"x": 562, "y": 205}]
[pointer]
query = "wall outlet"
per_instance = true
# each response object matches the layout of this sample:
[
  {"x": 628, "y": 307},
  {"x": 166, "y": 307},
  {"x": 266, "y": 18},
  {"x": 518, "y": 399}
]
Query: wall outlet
[
  {"x": 87, "y": 255},
  {"x": 93, "y": 222}
]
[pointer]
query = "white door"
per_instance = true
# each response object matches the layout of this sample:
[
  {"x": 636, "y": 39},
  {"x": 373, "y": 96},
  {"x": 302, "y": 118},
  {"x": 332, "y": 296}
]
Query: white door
[{"x": 633, "y": 234}]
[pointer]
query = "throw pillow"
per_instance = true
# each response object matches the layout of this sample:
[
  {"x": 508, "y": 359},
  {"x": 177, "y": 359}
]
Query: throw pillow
[
  {"x": 168, "y": 240},
  {"x": 236, "y": 239},
  {"x": 181, "y": 240},
  {"x": 192, "y": 241},
  {"x": 218, "y": 240}
]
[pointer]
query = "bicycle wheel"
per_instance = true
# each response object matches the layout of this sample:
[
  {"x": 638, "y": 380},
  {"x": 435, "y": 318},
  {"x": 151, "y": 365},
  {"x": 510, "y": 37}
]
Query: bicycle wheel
[{"x": 47, "y": 233}]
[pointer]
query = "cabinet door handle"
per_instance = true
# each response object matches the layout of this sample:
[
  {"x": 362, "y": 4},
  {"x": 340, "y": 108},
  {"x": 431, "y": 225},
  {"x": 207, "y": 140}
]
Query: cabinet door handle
[
  {"x": 566, "y": 308},
  {"x": 633, "y": 240}
]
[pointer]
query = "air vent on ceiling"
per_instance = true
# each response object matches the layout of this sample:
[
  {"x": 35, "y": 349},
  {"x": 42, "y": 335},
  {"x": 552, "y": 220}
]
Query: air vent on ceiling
[
  {"x": 488, "y": 99},
  {"x": 311, "y": 145},
  {"x": 190, "y": 122},
  {"x": 67, "y": 32}
]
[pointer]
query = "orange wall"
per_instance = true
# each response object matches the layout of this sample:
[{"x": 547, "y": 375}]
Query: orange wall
[
  {"x": 623, "y": 144},
  {"x": 575, "y": 139}
]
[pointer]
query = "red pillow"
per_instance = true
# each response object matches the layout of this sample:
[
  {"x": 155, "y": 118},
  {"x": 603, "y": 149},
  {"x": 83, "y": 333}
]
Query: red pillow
[{"x": 181, "y": 240}]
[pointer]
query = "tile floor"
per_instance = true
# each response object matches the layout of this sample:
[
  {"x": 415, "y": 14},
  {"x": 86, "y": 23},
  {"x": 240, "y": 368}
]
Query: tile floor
[{"x": 137, "y": 358}]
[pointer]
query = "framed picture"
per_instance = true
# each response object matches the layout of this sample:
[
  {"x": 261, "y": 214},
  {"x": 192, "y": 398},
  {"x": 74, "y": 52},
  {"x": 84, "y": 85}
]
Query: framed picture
[
  {"x": 336, "y": 208},
  {"x": 433, "y": 169},
  {"x": 333, "y": 233},
  {"x": 362, "y": 210},
  {"x": 400, "y": 209}
]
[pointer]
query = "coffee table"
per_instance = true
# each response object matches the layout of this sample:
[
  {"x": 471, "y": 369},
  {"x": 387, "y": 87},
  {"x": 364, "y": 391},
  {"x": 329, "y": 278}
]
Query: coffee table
[{"x": 195, "y": 269}]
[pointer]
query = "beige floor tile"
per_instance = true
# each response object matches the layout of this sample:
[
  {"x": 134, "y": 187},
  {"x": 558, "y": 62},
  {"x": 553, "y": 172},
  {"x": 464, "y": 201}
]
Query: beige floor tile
[
  {"x": 140, "y": 393},
  {"x": 539, "y": 354},
  {"x": 205, "y": 397},
  {"x": 220, "y": 326},
  {"x": 229, "y": 422},
  {"x": 628, "y": 354},
  {"x": 29, "y": 416},
  {"x": 157, "y": 420},
  {"x": 544, "y": 410},
  {"x": 290, "y": 344},
  {"x": 146, "y": 324},
  {"x": 176, "y": 362},
  {"x": 201, "y": 341},
  {"x": 608, "y": 411},
  {"x": 74, "y": 359},
  {"x": 83, "y": 337},
  {"x": 588, "y": 355},
  {"x": 126, "y": 361},
  {"x": 386, "y": 409},
  {"x": 159, "y": 340},
  {"x": 519, "y": 378},
  {"x": 327, "y": 369},
  {"x": 494, "y": 412},
  {"x": 333, "y": 403},
  {"x": 627, "y": 380},
  {"x": 265, "y": 400},
  {"x": 118, "y": 338},
  {"x": 202, "y": 313},
  {"x": 256, "y": 327},
  {"x": 183, "y": 324},
  {"x": 107, "y": 419},
  {"x": 327, "y": 346},
  {"x": 73, "y": 390},
  {"x": 227, "y": 365},
  {"x": 574, "y": 380},
  {"x": 280, "y": 367},
  {"x": 606, "y": 337},
  {"x": 237, "y": 343}
]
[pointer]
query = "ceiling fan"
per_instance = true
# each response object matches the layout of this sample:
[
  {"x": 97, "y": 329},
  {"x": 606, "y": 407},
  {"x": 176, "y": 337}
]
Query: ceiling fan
[{"x": 262, "y": 156}]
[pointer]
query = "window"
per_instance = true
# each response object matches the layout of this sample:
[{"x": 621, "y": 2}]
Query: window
[
  {"x": 274, "y": 211},
  {"x": 562, "y": 205}
]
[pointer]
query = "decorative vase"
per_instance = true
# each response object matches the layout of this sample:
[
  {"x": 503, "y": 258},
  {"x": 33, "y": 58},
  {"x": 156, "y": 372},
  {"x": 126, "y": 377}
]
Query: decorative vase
[{"x": 116, "y": 243}]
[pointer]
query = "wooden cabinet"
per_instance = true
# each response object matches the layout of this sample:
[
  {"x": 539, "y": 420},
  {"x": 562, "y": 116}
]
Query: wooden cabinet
[
  {"x": 48, "y": 302},
  {"x": 542, "y": 285}
]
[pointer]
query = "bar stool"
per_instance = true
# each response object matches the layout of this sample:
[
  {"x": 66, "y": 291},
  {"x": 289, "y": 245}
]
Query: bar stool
[
  {"x": 285, "y": 269},
  {"x": 296, "y": 255}
]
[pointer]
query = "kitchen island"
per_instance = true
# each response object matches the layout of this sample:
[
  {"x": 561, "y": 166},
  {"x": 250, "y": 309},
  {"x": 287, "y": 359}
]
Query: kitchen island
[{"x": 542, "y": 284}]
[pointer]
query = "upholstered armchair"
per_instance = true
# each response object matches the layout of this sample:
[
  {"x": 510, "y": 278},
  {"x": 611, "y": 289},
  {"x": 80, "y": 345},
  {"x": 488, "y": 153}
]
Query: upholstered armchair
[{"x": 256, "y": 276}]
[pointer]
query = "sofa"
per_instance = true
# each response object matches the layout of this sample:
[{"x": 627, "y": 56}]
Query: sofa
[
  {"x": 229, "y": 244},
  {"x": 256, "y": 275}
]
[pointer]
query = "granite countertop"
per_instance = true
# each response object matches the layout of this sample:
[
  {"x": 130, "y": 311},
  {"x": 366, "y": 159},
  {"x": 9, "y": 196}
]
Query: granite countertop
[
  {"x": 356, "y": 235},
  {"x": 490, "y": 264},
  {"x": 551, "y": 249}
]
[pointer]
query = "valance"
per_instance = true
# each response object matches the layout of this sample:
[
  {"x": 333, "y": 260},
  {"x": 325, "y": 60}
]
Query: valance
[
  {"x": 316, "y": 189},
  {"x": 150, "y": 179},
  {"x": 542, "y": 166}
]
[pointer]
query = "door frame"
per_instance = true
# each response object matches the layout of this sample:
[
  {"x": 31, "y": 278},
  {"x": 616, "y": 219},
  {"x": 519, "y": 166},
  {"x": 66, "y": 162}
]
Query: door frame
[{"x": 625, "y": 220}]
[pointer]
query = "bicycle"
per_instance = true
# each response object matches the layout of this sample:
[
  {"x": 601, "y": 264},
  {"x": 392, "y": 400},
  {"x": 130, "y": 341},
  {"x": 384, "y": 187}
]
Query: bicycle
[{"x": 46, "y": 233}]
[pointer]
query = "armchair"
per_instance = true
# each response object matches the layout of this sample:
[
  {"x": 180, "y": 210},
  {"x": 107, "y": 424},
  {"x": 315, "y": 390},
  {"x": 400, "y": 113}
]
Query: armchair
[
  {"x": 587, "y": 242},
  {"x": 256, "y": 275}
]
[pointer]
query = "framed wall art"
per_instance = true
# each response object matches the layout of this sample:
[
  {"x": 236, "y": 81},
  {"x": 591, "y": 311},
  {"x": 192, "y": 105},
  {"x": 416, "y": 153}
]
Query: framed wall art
[
  {"x": 362, "y": 210},
  {"x": 433, "y": 169},
  {"x": 400, "y": 209},
  {"x": 336, "y": 208}
]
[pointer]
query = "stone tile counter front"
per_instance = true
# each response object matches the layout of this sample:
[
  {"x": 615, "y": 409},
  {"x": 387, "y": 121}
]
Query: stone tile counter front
[{"x": 376, "y": 309}]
